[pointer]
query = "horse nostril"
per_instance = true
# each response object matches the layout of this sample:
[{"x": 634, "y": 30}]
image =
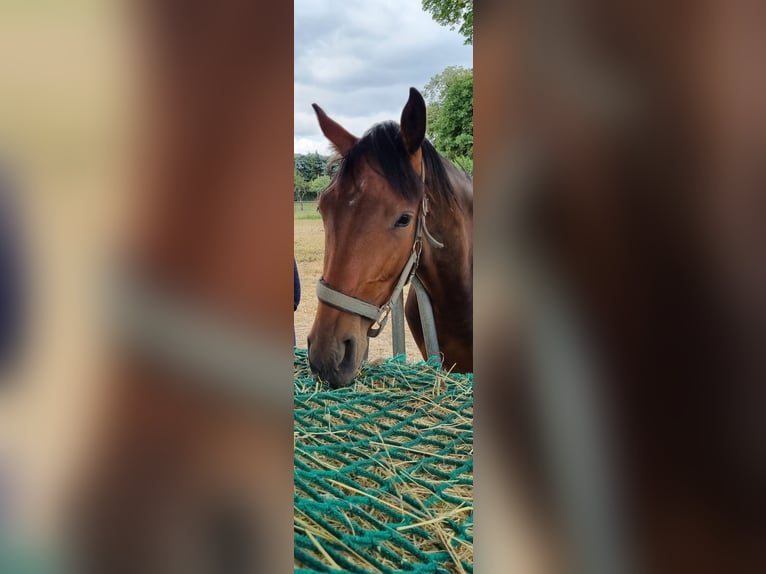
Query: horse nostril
[
  {"x": 349, "y": 354},
  {"x": 334, "y": 360}
]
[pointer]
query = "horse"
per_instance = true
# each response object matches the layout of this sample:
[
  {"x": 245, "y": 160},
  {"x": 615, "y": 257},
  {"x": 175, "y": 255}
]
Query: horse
[
  {"x": 190, "y": 469},
  {"x": 632, "y": 200},
  {"x": 395, "y": 207}
]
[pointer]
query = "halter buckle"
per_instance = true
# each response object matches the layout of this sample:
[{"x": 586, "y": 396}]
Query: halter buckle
[{"x": 381, "y": 321}]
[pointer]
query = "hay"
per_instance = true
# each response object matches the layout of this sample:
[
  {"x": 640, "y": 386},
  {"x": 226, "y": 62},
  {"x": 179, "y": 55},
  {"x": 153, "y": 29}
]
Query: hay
[{"x": 384, "y": 470}]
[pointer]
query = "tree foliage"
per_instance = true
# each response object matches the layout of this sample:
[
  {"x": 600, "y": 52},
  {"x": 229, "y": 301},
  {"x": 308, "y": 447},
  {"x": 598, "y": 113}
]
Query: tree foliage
[
  {"x": 319, "y": 184},
  {"x": 310, "y": 166},
  {"x": 464, "y": 163},
  {"x": 453, "y": 13},
  {"x": 300, "y": 186},
  {"x": 310, "y": 176},
  {"x": 449, "y": 97}
]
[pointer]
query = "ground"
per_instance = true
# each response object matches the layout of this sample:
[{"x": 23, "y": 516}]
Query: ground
[{"x": 309, "y": 250}]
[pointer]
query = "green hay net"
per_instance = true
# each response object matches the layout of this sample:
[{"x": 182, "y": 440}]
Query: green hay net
[{"x": 384, "y": 470}]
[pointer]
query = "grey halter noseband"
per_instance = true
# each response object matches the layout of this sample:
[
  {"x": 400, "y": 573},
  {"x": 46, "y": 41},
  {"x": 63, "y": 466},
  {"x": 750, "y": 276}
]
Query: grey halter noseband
[{"x": 379, "y": 315}]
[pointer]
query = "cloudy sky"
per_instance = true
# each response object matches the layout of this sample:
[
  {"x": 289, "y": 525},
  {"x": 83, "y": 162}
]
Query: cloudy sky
[{"x": 358, "y": 58}]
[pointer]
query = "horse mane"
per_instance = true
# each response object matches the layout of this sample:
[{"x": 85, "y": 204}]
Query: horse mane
[{"x": 382, "y": 148}]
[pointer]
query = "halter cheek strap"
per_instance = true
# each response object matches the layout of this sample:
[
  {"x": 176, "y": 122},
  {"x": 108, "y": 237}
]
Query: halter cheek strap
[{"x": 379, "y": 315}]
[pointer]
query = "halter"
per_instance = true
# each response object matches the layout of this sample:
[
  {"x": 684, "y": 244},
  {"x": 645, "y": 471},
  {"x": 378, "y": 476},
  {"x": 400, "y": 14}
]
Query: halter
[
  {"x": 209, "y": 350},
  {"x": 379, "y": 315}
]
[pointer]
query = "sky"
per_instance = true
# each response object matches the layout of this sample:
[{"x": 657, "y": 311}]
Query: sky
[{"x": 358, "y": 58}]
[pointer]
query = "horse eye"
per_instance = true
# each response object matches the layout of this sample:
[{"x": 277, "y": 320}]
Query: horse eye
[{"x": 404, "y": 220}]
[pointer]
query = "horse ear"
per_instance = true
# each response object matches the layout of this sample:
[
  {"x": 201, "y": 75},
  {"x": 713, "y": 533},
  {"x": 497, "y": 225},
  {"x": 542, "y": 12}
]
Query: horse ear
[
  {"x": 413, "y": 125},
  {"x": 341, "y": 140},
  {"x": 413, "y": 122}
]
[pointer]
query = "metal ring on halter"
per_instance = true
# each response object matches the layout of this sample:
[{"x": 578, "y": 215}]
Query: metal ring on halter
[{"x": 381, "y": 322}]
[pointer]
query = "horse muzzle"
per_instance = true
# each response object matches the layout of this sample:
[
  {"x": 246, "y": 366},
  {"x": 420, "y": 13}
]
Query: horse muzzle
[{"x": 334, "y": 360}]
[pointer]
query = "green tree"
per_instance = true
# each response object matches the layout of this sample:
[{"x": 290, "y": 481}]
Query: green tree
[
  {"x": 465, "y": 163},
  {"x": 453, "y": 13},
  {"x": 300, "y": 187},
  {"x": 318, "y": 185},
  {"x": 310, "y": 166},
  {"x": 449, "y": 97}
]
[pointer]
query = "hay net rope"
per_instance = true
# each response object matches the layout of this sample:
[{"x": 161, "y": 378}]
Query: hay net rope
[{"x": 384, "y": 470}]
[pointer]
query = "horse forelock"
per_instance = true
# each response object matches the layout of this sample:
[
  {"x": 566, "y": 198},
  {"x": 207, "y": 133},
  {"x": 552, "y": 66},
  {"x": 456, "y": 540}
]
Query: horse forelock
[{"x": 381, "y": 149}]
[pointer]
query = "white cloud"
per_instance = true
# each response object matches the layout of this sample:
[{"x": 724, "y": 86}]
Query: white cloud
[
  {"x": 357, "y": 60},
  {"x": 310, "y": 145}
]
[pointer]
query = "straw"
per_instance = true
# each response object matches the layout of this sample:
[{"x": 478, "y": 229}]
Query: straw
[{"x": 384, "y": 470}]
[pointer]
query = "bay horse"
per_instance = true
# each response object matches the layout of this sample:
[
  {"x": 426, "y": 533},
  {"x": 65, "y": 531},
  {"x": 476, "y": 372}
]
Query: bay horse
[
  {"x": 394, "y": 207},
  {"x": 191, "y": 467},
  {"x": 633, "y": 198}
]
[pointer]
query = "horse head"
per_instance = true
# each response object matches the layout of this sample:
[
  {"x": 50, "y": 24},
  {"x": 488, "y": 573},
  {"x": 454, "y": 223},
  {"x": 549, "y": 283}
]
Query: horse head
[{"x": 370, "y": 214}]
